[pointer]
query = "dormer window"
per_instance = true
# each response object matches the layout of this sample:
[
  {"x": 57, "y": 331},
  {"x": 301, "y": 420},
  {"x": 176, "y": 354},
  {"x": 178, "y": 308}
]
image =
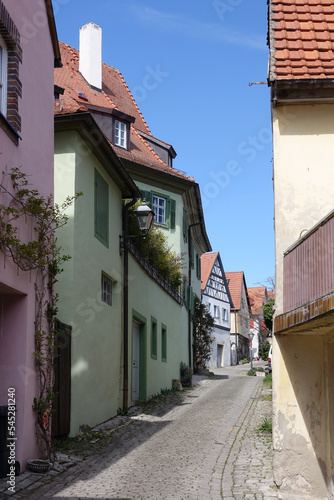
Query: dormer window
[
  {"x": 114, "y": 124},
  {"x": 120, "y": 134}
]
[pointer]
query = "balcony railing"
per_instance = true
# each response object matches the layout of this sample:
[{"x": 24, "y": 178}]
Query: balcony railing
[{"x": 308, "y": 269}]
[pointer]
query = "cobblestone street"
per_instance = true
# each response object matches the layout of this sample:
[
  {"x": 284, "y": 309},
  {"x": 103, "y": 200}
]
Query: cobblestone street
[{"x": 203, "y": 446}]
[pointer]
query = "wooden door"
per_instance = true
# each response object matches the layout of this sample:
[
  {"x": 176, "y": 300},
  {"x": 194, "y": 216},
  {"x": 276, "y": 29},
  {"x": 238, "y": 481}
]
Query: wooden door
[{"x": 62, "y": 385}]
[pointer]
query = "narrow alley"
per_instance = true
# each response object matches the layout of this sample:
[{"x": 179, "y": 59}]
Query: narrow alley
[{"x": 205, "y": 447}]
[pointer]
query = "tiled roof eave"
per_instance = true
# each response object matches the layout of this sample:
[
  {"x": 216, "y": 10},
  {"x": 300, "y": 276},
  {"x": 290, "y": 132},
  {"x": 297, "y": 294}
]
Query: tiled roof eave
[
  {"x": 300, "y": 39},
  {"x": 313, "y": 90}
]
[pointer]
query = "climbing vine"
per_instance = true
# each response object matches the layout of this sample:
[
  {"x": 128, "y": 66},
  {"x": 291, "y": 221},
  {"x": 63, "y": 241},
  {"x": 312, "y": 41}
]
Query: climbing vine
[
  {"x": 27, "y": 235},
  {"x": 203, "y": 324}
]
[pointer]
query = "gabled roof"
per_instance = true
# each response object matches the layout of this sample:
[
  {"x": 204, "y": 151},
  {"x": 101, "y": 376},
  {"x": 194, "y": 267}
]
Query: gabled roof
[
  {"x": 207, "y": 262},
  {"x": 79, "y": 96},
  {"x": 259, "y": 296},
  {"x": 301, "y": 39},
  {"x": 236, "y": 280}
]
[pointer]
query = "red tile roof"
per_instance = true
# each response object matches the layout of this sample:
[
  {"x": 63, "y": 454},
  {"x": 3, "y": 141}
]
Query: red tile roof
[
  {"x": 235, "y": 281},
  {"x": 258, "y": 295},
  {"x": 115, "y": 95},
  {"x": 207, "y": 263},
  {"x": 301, "y": 38}
]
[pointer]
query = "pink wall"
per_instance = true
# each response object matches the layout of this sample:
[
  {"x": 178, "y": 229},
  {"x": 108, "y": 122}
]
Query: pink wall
[{"x": 35, "y": 154}]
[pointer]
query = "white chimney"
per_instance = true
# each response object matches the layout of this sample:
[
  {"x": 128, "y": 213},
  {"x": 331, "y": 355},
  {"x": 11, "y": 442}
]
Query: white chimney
[{"x": 90, "y": 54}]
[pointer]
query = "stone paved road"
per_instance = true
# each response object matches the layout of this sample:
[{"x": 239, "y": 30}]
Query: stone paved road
[{"x": 203, "y": 448}]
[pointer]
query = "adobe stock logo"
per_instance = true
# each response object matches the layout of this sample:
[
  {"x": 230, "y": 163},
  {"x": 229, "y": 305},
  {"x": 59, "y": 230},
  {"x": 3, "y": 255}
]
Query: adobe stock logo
[
  {"x": 153, "y": 78},
  {"x": 249, "y": 148},
  {"x": 223, "y": 7}
]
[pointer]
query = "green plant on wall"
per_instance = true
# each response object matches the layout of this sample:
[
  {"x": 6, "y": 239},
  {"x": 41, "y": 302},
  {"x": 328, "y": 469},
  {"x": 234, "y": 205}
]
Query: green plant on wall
[
  {"x": 42, "y": 254},
  {"x": 267, "y": 311},
  {"x": 203, "y": 326},
  {"x": 155, "y": 250},
  {"x": 264, "y": 350}
]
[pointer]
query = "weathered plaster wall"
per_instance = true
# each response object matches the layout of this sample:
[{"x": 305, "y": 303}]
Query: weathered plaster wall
[
  {"x": 304, "y": 192},
  {"x": 303, "y": 169},
  {"x": 300, "y": 402}
]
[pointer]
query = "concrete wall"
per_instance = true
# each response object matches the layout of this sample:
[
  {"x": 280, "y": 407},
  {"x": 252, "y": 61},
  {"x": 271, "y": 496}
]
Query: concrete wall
[{"x": 34, "y": 154}]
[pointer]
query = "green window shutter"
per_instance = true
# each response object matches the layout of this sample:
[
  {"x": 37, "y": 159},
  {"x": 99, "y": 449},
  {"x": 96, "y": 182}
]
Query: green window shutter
[
  {"x": 101, "y": 195},
  {"x": 192, "y": 256},
  {"x": 147, "y": 196},
  {"x": 172, "y": 213},
  {"x": 191, "y": 299},
  {"x": 185, "y": 225},
  {"x": 185, "y": 293},
  {"x": 198, "y": 266},
  {"x": 164, "y": 343},
  {"x": 192, "y": 302},
  {"x": 167, "y": 211},
  {"x": 154, "y": 339}
]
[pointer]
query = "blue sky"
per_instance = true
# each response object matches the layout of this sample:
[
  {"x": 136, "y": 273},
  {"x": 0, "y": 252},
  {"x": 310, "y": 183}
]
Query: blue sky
[{"x": 189, "y": 64}]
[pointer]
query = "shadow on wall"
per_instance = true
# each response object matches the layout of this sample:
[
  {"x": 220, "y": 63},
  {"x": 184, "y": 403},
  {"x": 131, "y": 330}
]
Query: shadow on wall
[{"x": 304, "y": 414}]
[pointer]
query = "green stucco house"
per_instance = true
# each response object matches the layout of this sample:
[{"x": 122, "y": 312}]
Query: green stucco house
[{"x": 122, "y": 346}]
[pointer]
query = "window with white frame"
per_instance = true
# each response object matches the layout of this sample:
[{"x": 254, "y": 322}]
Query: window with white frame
[
  {"x": 216, "y": 312},
  {"x": 208, "y": 306},
  {"x": 106, "y": 289},
  {"x": 3, "y": 77},
  {"x": 120, "y": 134},
  {"x": 159, "y": 208},
  {"x": 225, "y": 314}
]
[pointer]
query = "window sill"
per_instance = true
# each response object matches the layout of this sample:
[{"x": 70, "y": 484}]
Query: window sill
[{"x": 10, "y": 130}]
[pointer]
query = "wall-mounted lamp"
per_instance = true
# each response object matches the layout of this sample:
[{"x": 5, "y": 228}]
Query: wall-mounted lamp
[{"x": 145, "y": 216}]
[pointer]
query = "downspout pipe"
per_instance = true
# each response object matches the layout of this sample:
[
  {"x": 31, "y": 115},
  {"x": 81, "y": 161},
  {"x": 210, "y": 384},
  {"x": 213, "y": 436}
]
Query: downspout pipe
[
  {"x": 189, "y": 281},
  {"x": 126, "y": 303}
]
